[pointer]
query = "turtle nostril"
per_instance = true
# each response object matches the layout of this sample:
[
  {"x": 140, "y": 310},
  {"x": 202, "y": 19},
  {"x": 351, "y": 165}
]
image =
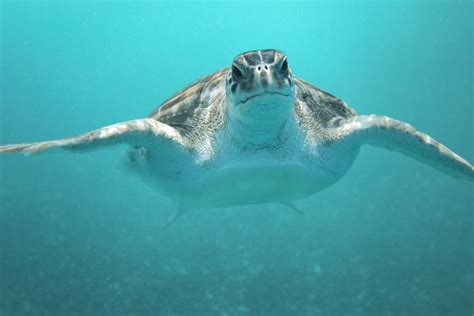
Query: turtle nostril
[{"x": 259, "y": 68}]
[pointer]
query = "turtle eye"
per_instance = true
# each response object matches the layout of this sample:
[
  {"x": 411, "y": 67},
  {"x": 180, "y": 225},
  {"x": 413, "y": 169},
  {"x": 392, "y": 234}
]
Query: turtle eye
[
  {"x": 237, "y": 74},
  {"x": 284, "y": 70}
]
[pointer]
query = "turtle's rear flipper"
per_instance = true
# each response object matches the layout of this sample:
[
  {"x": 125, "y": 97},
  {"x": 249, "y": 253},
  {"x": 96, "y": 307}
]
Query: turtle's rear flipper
[
  {"x": 389, "y": 133},
  {"x": 292, "y": 206},
  {"x": 174, "y": 215},
  {"x": 142, "y": 132}
]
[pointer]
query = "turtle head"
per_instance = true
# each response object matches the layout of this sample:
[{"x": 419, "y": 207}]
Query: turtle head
[{"x": 260, "y": 87}]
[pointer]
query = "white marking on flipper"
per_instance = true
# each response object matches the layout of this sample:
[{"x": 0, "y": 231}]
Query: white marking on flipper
[
  {"x": 383, "y": 131},
  {"x": 130, "y": 132}
]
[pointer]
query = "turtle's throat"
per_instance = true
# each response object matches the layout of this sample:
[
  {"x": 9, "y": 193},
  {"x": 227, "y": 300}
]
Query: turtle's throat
[{"x": 259, "y": 132}]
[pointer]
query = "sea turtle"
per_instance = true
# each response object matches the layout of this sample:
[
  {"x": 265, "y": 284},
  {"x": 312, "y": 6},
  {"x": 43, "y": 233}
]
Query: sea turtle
[{"x": 253, "y": 133}]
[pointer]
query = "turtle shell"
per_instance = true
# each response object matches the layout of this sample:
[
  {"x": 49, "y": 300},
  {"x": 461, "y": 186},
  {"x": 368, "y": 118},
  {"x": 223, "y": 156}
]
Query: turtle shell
[{"x": 183, "y": 108}]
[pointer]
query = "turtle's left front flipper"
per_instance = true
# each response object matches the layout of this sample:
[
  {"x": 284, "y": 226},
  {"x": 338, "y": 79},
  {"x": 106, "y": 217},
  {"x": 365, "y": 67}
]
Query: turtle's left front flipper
[
  {"x": 141, "y": 132},
  {"x": 383, "y": 131}
]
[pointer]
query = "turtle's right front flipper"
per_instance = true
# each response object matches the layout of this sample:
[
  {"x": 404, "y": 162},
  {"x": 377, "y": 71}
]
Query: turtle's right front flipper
[
  {"x": 141, "y": 132},
  {"x": 383, "y": 131}
]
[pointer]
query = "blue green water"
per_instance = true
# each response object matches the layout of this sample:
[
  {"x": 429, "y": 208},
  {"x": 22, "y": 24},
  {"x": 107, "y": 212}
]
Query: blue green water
[{"x": 78, "y": 236}]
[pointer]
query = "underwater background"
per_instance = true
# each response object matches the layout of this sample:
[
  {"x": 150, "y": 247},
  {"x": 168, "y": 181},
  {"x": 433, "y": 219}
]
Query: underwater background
[{"x": 80, "y": 236}]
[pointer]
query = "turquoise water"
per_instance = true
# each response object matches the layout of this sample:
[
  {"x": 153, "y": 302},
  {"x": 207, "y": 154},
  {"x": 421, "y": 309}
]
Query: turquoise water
[{"x": 79, "y": 236}]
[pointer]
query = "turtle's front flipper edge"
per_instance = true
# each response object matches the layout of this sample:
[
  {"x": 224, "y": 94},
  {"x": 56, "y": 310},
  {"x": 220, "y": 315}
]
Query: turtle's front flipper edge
[
  {"x": 383, "y": 131},
  {"x": 141, "y": 132}
]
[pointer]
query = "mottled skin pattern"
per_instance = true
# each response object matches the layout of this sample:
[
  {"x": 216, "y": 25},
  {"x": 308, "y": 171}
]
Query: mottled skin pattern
[{"x": 254, "y": 133}]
